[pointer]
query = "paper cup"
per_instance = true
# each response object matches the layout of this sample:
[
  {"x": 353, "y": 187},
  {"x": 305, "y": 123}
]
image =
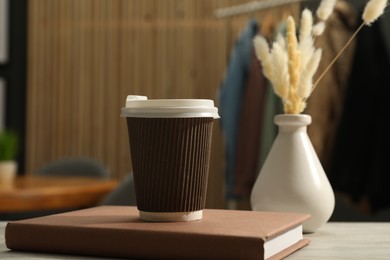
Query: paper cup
[{"x": 170, "y": 143}]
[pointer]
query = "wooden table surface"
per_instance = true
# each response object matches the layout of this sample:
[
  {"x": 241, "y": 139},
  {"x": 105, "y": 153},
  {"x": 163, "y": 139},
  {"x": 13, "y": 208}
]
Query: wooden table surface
[{"x": 31, "y": 193}]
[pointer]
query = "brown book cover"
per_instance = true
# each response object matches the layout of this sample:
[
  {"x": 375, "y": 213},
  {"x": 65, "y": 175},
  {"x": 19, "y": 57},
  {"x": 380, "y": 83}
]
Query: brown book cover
[{"x": 117, "y": 231}]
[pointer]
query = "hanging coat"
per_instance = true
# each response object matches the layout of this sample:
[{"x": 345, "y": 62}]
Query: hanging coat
[{"x": 231, "y": 96}]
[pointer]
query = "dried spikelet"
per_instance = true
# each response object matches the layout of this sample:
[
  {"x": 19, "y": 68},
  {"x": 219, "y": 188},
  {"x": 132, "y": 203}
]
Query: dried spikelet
[
  {"x": 373, "y": 9},
  {"x": 306, "y": 25},
  {"x": 325, "y": 9},
  {"x": 281, "y": 77},
  {"x": 306, "y": 52},
  {"x": 261, "y": 48},
  {"x": 305, "y": 39},
  {"x": 262, "y": 53},
  {"x": 293, "y": 53},
  {"x": 282, "y": 56},
  {"x": 306, "y": 85},
  {"x": 312, "y": 65},
  {"x": 319, "y": 28},
  {"x": 293, "y": 66}
]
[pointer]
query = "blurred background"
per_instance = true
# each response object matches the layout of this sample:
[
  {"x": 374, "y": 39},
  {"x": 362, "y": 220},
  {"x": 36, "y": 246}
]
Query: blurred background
[{"x": 66, "y": 67}]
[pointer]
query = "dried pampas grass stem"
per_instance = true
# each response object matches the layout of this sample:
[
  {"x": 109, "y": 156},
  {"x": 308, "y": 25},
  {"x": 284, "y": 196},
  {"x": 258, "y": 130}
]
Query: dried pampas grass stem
[
  {"x": 337, "y": 56},
  {"x": 372, "y": 11}
]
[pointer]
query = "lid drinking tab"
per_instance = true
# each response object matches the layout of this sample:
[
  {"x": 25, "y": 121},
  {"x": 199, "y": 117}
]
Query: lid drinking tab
[{"x": 131, "y": 98}]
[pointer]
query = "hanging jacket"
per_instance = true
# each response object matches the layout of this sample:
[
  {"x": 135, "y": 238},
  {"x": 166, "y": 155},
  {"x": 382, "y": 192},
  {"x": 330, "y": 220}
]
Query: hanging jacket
[
  {"x": 326, "y": 103},
  {"x": 361, "y": 154},
  {"x": 249, "y": 131},
  {"x": 231, "y": 95}
]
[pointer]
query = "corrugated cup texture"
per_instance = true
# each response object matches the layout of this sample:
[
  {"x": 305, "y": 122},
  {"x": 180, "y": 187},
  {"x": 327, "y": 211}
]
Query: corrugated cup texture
[{"x": 170, "y": 158}]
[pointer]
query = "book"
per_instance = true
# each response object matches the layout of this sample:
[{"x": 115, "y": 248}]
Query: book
[{"x": 117, "y": 232}]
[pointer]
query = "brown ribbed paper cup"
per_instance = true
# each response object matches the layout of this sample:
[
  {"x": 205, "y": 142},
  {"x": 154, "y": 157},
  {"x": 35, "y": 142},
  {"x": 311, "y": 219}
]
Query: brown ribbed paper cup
[{"x": 170, "y": 143}]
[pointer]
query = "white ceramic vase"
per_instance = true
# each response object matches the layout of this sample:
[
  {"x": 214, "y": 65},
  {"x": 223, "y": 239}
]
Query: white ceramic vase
[{"x": 292, "y": 177}]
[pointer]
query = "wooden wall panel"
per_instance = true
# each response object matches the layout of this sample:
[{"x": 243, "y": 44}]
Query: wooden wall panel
[{"x": 85, "y": 57}]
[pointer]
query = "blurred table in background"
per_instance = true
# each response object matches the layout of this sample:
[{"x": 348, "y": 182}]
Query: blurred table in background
[{"x": 35, "y": 193}]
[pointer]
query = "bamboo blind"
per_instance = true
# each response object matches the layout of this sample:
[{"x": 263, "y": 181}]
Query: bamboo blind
[{"x": 85, "y": 57}]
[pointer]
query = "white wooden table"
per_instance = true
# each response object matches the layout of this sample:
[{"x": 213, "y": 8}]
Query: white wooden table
[
  {"x": 333, "y": 241},
  {"x": 349, "y": 240}
]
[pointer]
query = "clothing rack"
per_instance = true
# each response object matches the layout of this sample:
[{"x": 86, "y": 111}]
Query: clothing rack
[{"x": 250, "y": 7}]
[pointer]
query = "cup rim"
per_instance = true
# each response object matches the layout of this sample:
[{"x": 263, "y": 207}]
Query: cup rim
[{"x": 169, "y": 108}]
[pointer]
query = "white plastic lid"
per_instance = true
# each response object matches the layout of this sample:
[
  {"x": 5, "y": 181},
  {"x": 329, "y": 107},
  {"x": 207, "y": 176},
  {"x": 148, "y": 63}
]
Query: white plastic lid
[{"x": 140, "y": 106}]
